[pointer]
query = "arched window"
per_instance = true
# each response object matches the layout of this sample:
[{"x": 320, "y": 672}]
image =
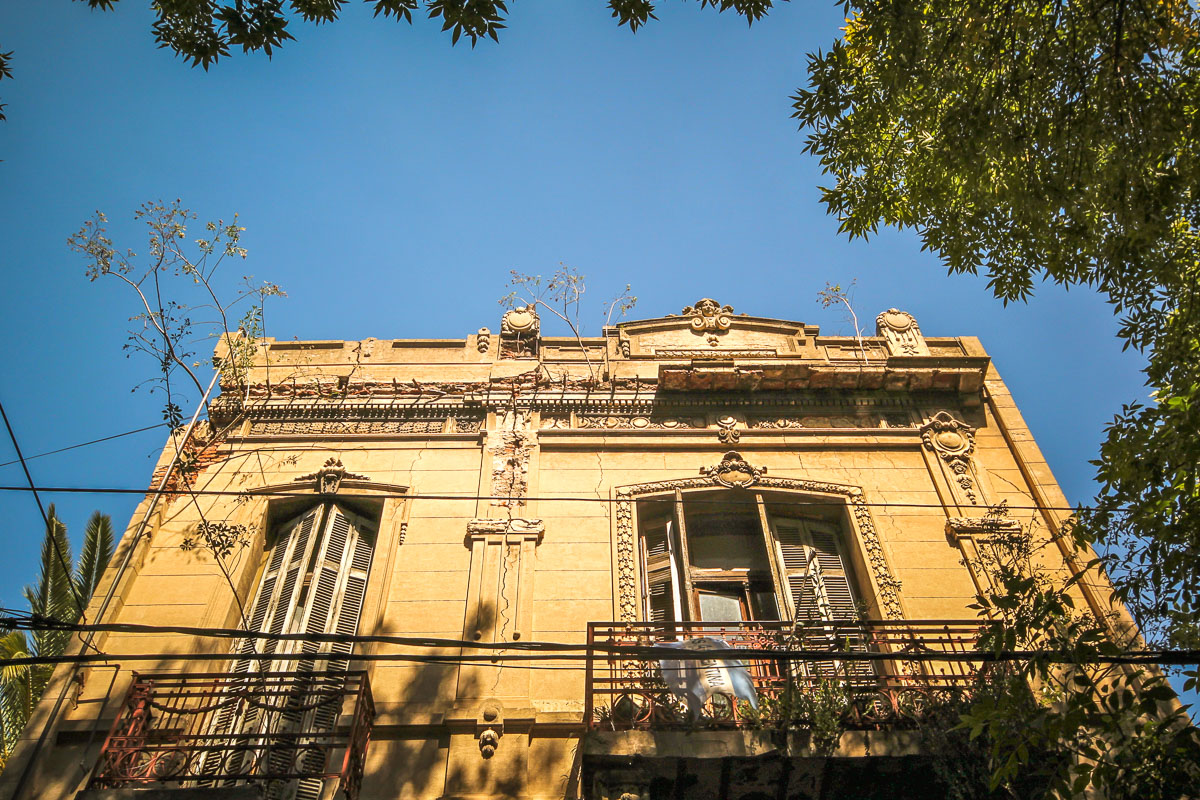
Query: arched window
[{"x": 727, "y": 556}]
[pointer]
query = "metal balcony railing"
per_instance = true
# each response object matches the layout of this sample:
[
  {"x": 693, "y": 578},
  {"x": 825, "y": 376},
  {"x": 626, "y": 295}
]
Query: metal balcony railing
[
  {"x": 287, "y": 731},
  {"x": 884, "y": 673}
]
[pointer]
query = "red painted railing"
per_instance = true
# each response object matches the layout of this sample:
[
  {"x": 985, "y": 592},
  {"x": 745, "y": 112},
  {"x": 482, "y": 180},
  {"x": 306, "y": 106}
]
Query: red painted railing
[
  {"x": 885, "y": 674},
  {"x": 281, "y": 729}
]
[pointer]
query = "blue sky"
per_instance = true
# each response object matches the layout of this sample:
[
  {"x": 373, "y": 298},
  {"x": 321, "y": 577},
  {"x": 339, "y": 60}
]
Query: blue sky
[{"x": 389, "y": 182}]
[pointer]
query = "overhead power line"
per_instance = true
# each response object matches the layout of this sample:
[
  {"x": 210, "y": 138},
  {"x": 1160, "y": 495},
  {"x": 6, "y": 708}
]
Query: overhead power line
[
  {"x": 524, "y": 499},
  {"x": 532, "y": 651},
  {"x": 68, "y": 575},
  {"x": 84, "y": 444}
]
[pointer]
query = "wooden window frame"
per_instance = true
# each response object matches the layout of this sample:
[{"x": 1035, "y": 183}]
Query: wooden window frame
[{"x": 686, "y": 579}]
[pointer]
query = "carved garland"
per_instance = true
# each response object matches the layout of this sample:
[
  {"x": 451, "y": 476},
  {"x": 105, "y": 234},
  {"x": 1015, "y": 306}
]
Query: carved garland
[{"x": 889, "y": 586}]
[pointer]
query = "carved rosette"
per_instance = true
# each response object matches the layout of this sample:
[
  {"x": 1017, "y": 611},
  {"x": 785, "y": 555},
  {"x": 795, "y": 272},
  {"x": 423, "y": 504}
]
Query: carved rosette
[
  {"x": 901, "y": 332},
  {"x": 953, "y": 441},
  {"x": 328, "y": 479},
  {"x": 886, "y": 583}
]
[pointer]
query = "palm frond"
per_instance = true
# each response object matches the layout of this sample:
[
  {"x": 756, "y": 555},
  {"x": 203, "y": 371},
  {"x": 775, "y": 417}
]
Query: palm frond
[
  {"x": 95, "y": 554},
  {"x": 52, "y": 595},
  {"x": 17, "y": 690}
]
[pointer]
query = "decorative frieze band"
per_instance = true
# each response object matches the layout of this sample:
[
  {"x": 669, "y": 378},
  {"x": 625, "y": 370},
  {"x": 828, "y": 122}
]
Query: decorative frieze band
[{"x": 364, "y": 426}]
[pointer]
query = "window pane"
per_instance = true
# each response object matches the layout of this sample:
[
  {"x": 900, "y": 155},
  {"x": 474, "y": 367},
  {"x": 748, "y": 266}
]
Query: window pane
[
  {"x": 721, "y": 538},
  {"x": 716, "y": 607}
]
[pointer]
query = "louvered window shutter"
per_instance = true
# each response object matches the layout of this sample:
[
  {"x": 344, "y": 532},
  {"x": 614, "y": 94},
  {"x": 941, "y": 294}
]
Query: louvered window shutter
[
  {"x": 660, "y": 586},
  {"x": 335, "y": 601},
  {"x": 274, "y": 605},
  {"x": 337, "y": 585},
  {"x": 833, "y": 575},
  {"x": 799, "y": 568},
  {"x": 273, "y": 609}
]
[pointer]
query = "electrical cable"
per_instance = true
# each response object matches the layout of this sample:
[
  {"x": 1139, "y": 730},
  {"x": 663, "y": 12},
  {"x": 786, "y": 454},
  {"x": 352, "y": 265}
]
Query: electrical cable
[
  {"x": 50, "y": 533},
  {"x": 52, "y": 717},
  {"x": 1169, "y": 658},
  {"x": 535, "y": 651},
  {"x": 84, "y": 444},
  {"x": 526, "y": 498}
]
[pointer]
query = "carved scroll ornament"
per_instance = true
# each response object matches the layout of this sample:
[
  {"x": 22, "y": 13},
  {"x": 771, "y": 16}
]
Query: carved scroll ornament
[
  {"x": 328, "y": 479},
  {"x": 709, "y": 316},
  {"x": 733, "y": 472},
  {"x": 953, "y": 441}
]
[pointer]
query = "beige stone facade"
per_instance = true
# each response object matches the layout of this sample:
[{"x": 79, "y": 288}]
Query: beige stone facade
[{"x": 506, "y": 487}]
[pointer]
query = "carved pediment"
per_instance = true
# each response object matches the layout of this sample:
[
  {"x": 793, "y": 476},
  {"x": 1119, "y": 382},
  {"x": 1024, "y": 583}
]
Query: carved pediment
[{"x": 709, "y": 329}]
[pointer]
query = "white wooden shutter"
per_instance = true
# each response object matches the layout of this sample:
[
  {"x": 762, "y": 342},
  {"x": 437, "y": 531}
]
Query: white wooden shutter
[
  {"x": 658, "y": 569},
  {"x": 819, "y": 578},
  {"x": 273, "y": 608},
  {"x": 833, "y": 577},
  {"x": 798, "y": 568},
  {"x": 333, "y": 604},
  {"x": 279, "y": 588}
]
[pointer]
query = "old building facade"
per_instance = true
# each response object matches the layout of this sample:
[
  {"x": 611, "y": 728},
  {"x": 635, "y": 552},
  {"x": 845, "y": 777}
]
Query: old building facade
[{"x": 409, "y": 522}]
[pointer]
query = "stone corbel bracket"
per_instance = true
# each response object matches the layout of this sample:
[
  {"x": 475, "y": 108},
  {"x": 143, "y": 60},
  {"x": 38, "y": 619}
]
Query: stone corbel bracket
[
  {"x": 901, "y": 332},
  {"x": 967, "y": 532},
  {"x": 953, "y": 442}
]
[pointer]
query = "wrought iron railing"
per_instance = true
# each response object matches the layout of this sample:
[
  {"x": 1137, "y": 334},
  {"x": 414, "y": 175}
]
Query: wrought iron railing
[
  {"x": 287, "y": 731},
  {"x": 886, "y": 673}
]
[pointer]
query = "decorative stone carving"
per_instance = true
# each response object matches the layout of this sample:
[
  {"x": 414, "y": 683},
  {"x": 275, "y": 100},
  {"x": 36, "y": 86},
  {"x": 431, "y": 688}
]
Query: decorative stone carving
[
  {"x": 734, "y": 472},
  {"x": 959, "y": 528},
  {"x": 519, "y": 329},
  {"x": 363, "y": 426},
  {"x": 901, "y": 332},
  {"x": 782, "y": 422},
  {"x": 953, "y": 441},
  {"x": 860, "y": 515},
  {"x": 727, "y": 432},
  {"x": 709, "y": 316},
  {"x": 489, "y": 740},
  {"x": 761, "y": 352},
  {"x": 516, "y": 527},
  {"x": 636, "y": 421},
  {"x": 623, "y": 344},
  {"x": 483, "y": 340},
  {"x": 500, "y": 588},
  {"x": 328, "y": 479}
]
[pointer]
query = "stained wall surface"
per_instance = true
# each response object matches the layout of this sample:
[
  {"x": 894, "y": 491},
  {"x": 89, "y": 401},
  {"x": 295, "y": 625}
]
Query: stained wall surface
[{"x": 504, "y": 472}]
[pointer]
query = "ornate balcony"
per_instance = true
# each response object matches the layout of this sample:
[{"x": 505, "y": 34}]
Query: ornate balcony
[
  {"x": 275, "y": 730},
  {"x": 885, "y": 674}
]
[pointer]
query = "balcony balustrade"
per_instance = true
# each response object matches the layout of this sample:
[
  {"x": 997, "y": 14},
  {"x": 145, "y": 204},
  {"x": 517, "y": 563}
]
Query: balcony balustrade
[
  {"x": 288, "y": 732},
  {"x": 883, "y": 673}
]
